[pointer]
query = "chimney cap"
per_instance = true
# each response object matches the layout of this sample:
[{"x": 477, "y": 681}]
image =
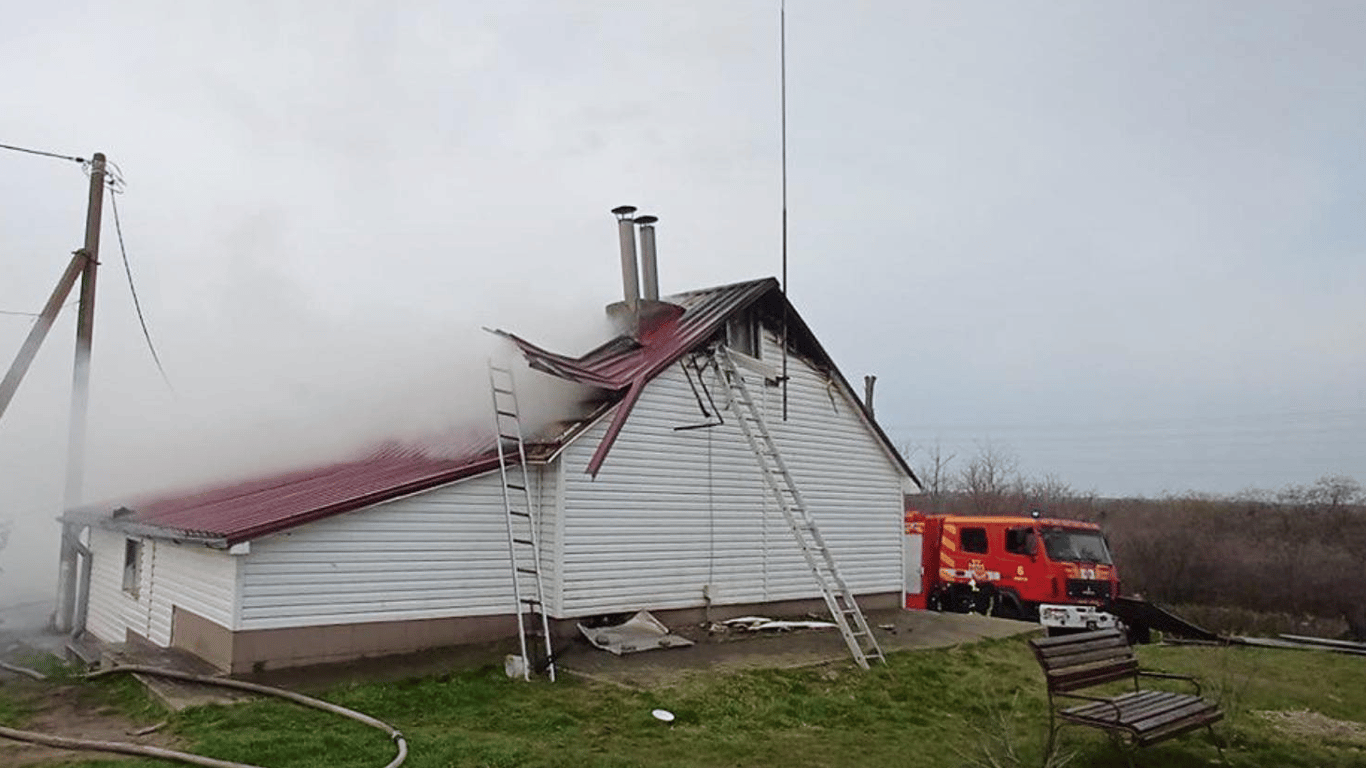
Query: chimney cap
[
  {"x": 622, "y": 211},
  {"x": 646, "y": 219}
]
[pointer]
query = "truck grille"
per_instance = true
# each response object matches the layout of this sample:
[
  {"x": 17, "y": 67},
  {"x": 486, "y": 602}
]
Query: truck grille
[{"x": 1087, "y": 589}]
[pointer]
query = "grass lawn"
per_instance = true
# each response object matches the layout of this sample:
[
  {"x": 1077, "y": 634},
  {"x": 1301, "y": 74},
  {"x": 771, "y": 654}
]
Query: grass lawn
[{"x": 974, "y": 705}]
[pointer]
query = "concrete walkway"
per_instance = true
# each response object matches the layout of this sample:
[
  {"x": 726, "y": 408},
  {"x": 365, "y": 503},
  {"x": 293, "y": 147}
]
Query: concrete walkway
[{"x": 734, "y": 651}]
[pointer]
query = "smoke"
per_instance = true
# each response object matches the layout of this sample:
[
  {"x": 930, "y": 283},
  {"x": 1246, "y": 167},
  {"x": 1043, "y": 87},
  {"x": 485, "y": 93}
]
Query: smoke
[{"x": 263, "y": 384}]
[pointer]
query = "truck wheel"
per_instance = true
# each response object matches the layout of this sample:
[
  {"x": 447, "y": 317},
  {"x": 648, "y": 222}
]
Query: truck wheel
[
  {"x": 1008, "y": 607},
  {"x": 960, "y": 599}
]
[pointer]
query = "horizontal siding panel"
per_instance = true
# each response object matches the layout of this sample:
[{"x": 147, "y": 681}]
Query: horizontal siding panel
[
  {"x": 671, "y": 512},
  {"x": 437, "y": 554}
]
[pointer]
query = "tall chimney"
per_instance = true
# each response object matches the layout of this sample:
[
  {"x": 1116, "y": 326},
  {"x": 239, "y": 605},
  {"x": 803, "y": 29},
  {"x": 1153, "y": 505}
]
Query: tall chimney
[
  {"x": 626, "y": 233},
  {"x": 649, "y": 268}
]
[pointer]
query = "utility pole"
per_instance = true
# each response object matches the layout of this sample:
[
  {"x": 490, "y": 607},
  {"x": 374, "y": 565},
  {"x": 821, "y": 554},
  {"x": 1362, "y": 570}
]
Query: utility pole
[
  {"x": 41, "y": 326},
  {"x": 67, "y": 581}
]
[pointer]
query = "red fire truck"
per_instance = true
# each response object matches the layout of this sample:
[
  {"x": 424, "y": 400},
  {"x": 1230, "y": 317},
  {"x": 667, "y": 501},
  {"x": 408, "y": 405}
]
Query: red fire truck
[{"x": 1005, "y": 566}]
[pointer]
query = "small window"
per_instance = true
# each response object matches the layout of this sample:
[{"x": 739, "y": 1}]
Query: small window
[
  {"x": 742, "y": 335},
  {"x": 974, "y": 539},
  {"x": 1021, "y": 541},
  {"x": 132, "y": 565}
]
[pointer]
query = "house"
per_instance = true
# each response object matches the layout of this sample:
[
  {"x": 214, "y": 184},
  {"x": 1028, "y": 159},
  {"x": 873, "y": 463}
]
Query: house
[{"x": 647, "y": 497}]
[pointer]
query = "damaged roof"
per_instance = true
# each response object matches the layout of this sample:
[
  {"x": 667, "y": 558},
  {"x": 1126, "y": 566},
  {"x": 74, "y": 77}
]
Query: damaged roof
[
  {"x": 232, "y": 513},
  {"x": 237, "y": 512}
]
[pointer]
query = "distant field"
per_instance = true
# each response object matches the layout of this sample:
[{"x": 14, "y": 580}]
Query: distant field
[{"x": 974, "y": 705}]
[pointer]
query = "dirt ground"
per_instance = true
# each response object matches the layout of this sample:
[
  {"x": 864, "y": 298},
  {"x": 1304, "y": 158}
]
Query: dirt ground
[
  {"x": 67, "y": 710},
  {"x": 1314, "y": 726}
]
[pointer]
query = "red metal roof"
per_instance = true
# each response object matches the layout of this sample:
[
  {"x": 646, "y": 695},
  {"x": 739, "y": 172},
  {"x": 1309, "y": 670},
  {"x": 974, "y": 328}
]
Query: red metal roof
[{"x": 247, "y": 510}]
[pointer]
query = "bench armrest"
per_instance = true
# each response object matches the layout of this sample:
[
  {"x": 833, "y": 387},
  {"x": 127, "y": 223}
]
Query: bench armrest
[
  {"x": 1169, "y": 676},
  {"x": 1102, "y": 700}
]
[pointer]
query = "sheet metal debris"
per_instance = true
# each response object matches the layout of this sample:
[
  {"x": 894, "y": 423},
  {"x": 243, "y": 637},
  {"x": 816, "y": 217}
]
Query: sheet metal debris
[
  {"x": 765, "y": 624},
  {"x": 641, "y": 632}
]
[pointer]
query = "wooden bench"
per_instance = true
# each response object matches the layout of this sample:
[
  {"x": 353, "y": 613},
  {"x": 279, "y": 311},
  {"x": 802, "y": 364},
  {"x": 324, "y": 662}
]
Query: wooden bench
[{"x": 1140, "y": 717}]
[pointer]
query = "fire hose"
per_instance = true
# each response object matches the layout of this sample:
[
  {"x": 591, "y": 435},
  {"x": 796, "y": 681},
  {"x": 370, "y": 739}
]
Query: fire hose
[{"x": 126, "y": 748}]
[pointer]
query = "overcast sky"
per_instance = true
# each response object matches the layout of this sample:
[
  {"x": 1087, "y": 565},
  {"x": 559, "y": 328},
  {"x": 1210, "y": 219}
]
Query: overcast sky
[{"x": 1121, "y": 241}]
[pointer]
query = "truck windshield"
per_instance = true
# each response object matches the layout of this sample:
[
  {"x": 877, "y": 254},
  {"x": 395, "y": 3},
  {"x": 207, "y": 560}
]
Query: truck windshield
[{"x": 1075, "y": 546}]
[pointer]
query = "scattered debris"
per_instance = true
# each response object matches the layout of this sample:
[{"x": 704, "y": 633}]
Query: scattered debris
[
  {"x": 514, "y": 665},
  {"x": 149, "y": 729},
  {"x": 641, "y": 632},
  {"x": 1305, "y": 644},
  {"x": 763, "y": 624},
  {"x": 36, "y": 675},
  {"x": 1336, "y": 645}
]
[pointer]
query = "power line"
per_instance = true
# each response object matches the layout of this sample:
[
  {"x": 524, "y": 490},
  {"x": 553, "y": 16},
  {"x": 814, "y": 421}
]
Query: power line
[
  {"x": 17, "y": 313},
  {"x": 72, "y": 158},
  {"x": 128, "y": 270}
]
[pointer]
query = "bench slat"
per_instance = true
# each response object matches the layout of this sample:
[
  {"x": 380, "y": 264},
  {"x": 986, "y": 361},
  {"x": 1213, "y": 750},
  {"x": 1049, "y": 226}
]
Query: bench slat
[
  {"x": 1103, "y": 710},
  {"x": 1175, "y": 729},
  {"x": 1089, "y": 657},
  {"x": 1164, "y": 717},
  {"x": 1071, "y": 680},
  {"x": 1087, "y": 643},
  {"x": 1153, "y": 716},
  {"x": 1078, "y": 637}
]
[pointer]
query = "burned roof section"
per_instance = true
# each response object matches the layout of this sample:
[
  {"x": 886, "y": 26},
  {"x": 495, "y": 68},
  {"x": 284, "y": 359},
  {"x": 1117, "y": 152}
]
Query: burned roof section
[{"x": 661, "y": 335}]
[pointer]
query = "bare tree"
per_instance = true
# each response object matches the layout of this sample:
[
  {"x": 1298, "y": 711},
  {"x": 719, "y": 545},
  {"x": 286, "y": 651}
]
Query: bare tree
[
  {"x": 1335, "y": 491},
  {"x": 933, "y": 471},
  {"x": 990, "y": 483}
]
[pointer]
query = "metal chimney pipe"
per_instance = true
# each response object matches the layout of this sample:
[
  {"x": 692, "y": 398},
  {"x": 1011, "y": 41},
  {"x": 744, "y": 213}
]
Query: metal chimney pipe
[
  {"x": 649, "y": 268},
  {"x": 626, "y": 233}
]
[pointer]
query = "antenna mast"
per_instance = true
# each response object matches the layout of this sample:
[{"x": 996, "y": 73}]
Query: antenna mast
[{"x": 782, "y": 99}]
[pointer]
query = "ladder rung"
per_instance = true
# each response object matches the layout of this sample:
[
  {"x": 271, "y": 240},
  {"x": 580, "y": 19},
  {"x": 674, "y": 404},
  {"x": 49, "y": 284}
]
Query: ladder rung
[
  {"x": 527, "y": 542},
  {"x": 502, "y": 391},
  {"x": 516, "y": 487},
  {"x": 509, "y": 414},
  {"x": 531, "y": 601},
  {"x": 519, "y": 514}
]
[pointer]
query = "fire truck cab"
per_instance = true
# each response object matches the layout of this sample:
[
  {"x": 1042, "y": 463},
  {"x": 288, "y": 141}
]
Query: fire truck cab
[{"x": 1004, "y": 566}]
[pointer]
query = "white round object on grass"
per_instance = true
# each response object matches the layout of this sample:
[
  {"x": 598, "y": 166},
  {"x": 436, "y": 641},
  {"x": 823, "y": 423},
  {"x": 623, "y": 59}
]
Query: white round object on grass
[{"x": 663, "y": 715}]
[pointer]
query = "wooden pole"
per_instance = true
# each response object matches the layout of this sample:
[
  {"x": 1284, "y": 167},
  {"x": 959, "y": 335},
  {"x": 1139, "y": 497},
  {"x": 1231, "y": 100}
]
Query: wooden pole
[{"x": 64, "y": 616}]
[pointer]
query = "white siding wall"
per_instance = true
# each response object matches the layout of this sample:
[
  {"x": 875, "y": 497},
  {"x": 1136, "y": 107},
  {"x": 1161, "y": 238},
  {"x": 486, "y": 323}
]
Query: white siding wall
[
  {"x": 550, "y": 529},
  {"x": 436, "y": 554},
  {"x": 671, "y": 512},
  {"x": 191, "y": 576}
]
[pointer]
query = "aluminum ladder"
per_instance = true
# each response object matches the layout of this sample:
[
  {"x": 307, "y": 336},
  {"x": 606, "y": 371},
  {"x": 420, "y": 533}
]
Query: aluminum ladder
[
  {"x": 863, "y": 646},
  {"x": 524, "y": 550}
]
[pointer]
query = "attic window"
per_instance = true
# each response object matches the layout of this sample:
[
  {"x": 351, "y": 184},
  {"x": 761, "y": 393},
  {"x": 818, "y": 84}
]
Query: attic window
[
  {"x": 132, "y": 566},
  {"x": 742, "y": 335}
]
